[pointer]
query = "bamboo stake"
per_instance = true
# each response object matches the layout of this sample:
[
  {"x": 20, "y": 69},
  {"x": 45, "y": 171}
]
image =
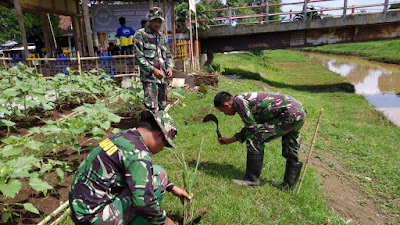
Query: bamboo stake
[
  {"x": 79, "y": 62},
  {"x": 67, "y": 211},
  {"x": 309, "y": 153},
  {"x": 58, "y": 210}
]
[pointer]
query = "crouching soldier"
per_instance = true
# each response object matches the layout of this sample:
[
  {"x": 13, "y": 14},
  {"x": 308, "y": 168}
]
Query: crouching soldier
[
  {"x": 266, "y": 116},
  {"x": 117, "y": 182}
]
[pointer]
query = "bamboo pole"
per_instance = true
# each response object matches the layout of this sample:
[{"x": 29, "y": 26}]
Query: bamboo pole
[
  {"x": 88, "y": 29},
  {"x": 58, "y": 210},
  {"x": 79, "y": 62},
  {"x": 18, "y": 10},
  {"x": 309, "y": 153}
]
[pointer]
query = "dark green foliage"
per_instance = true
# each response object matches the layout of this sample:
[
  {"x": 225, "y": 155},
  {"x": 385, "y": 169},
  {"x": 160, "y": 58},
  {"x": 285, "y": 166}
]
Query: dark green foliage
[{"x": 9, "y": 25}]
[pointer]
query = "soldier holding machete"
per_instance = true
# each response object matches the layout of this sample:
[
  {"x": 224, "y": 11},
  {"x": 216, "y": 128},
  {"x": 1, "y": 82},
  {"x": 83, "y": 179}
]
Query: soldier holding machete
[{"x": 266, "y": 116}]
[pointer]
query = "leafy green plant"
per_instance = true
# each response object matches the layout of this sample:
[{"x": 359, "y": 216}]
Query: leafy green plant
[
  {"x": 15, "y": 169},
  {"x": 202, "y": 90}
]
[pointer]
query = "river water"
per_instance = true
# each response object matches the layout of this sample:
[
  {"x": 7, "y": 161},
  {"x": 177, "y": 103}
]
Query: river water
[{"x": 378, "y": 82}]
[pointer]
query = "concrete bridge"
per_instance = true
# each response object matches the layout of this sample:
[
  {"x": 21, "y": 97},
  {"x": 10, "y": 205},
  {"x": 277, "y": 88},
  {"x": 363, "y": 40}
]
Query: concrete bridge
[{"x": 306, "y": 33}]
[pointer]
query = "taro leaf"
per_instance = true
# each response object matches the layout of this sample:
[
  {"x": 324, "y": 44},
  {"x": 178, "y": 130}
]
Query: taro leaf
[
  {"x": 97, "y": 132},
  {"x": 6, "y": 123},
  {"x": 11, "y": 140},
  {"x": 11, "y": 188},
  {"x": 22, "y": 165},
  {"x": 115, "y": 130},
  {"x": 35, "y": 130},
  {"x": 33, "y": 144},
  {"x": 11, "y": 92},
  {"x": 6, "y": 216},
  {"x": 60, "y": 174},
  {"x": 46, "y": 106},
  {"x": 29, "y": 207},
  {"x": 105, "y": 125},
  {"x": 114, "y": 118},
  {"x": 9, "y": 150},
  {"x": 39, "y": 185},
  {"x": 45, "y": 168}
]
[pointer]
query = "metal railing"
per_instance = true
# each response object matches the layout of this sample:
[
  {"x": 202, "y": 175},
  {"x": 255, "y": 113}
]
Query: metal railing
[{"x": 263, "y": 17}]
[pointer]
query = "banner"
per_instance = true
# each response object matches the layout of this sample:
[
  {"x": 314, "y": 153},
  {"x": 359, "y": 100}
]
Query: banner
[{"x": 105, "y": 17}]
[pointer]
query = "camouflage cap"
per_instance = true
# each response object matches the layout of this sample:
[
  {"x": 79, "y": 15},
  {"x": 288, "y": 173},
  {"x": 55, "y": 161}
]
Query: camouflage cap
[
  {"x": 165, "y": 122},
  {"x": 155, "y": 13}
]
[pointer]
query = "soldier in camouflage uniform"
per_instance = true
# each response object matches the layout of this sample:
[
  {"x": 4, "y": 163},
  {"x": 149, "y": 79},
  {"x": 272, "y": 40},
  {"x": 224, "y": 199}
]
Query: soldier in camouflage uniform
[
  {"x": 266, "y": 116},
  {"x": 117, "y": 182},
  {"x": 154, "y": 59}
]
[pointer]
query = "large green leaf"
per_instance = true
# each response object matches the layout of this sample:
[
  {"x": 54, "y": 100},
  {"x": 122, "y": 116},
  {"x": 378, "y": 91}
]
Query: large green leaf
[
  {"x": 11, "y": 188},
  {"x": 11, "y": 92},
  {"x": 6, "y": 216},
  {"x": 33, "y": 144},
  {"x": 39, "y": 185},
  {"x": 6, "y": 123},
  {"x": 114, "y": 118},
  {"x": 9, "y": 150},
  {"x": 29, "y": 207},
  {"x": 11, "y": 140},
  {"x": 22, "y": 166},
  {"x": 105, "y": 125}
]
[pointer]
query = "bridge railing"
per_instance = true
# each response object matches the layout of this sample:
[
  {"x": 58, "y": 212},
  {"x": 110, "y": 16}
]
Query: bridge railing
[{"x": 229, "y": 16}]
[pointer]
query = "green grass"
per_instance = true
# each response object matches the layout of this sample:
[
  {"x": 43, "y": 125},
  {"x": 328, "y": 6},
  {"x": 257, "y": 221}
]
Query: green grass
[
  {"x": 381, "y": 51},
  {"x": 351, "y": 131}
]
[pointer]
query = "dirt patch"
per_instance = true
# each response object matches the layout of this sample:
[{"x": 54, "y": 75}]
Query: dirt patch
[
  {"x": 208, "y": 110},
  {"x": 345, "y": 196},
  {"x": 196, "y": 118}
]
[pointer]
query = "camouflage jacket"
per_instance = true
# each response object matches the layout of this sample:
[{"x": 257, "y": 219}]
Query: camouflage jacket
[
  {"x": 151, "y": 51},
  {"x": 118, "y": 162},
  {"x": 257, "y": 108}
]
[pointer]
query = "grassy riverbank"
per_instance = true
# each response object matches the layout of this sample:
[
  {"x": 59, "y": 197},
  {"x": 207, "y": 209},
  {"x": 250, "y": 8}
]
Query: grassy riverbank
[
  {"x": 352, "y": 135},
  {"x": 352, "y": 132},
  {"x": 381, "y": 51}
]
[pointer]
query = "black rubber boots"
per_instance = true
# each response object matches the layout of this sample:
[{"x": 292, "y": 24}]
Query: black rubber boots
[
  {"x": 292, "y": 174},
  {"x": 254, "y": 166}
]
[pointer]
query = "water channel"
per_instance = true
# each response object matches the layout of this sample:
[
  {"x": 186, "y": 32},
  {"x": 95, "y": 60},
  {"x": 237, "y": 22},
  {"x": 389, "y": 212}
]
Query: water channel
[{"x": 378, "y": 82}]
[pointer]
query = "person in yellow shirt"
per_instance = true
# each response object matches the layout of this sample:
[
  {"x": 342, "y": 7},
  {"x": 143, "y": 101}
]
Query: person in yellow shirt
[{"x": 125, "y": 35}]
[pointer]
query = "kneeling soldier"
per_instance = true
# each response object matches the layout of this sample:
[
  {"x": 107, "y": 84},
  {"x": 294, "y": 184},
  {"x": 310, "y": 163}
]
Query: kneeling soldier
[{"x": 117, "y": 182}]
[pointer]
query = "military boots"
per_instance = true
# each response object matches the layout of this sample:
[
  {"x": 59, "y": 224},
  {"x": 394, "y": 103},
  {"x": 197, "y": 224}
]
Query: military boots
[
  {"x": 292, "y": 174},
  {"x": 254, "y": 166}
]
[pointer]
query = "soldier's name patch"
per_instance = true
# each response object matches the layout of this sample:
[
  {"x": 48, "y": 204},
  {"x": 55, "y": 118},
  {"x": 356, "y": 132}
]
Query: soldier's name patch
[{"x": 108, "y": 146}]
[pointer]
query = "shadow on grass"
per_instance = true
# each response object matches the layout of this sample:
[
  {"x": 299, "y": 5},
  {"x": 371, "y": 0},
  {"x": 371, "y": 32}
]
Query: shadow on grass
[
  {"x": 227, "y": 171},
  {"x": 339, "y": 87}
]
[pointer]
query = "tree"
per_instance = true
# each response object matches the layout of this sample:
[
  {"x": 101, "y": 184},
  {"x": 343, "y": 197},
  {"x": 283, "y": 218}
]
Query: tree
[
  {"x": 10, "y": 27},
  {"x": 204, "y": 16},
  {"x": 394, "y": 6}
]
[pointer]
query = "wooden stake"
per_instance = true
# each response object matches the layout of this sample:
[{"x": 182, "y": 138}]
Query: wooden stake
[
  {"x": 79, "y": 62},
  {"x": 309, "y": 153}
]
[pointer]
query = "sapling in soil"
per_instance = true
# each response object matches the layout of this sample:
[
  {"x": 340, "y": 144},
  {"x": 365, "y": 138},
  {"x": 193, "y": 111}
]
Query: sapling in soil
[{"x": 188, "y": 178}]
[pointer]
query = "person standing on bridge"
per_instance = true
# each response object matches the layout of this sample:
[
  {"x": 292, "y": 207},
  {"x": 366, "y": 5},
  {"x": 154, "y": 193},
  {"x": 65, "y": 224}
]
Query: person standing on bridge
[
  {"x": 266, "y": 116},
  {"x": 155, "y": 61}
]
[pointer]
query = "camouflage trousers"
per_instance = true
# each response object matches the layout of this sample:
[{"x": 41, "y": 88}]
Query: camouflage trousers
[
  {"x": 287, "y": 126},
  {"x": 155, "y": 96},
  {"x": 121, "y": 210}
]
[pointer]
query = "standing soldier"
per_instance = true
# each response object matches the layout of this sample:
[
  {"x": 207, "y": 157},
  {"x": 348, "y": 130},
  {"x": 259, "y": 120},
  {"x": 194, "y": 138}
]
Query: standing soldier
[
  {"x": 154, "y": 59},
  {"x": 117, "y": 182},
  {"x": 266, "y": 116}
]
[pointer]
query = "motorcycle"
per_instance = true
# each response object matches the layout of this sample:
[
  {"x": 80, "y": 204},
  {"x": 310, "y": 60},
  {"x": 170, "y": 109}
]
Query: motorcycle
[{"x": 310, "y": 15}]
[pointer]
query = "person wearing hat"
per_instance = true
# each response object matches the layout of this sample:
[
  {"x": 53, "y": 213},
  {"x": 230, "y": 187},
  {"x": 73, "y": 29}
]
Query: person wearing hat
[
  {"x": 266, "y": 117},
  {"x": 117, "y": 182},
  {"x": 154, "y": 60}
]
